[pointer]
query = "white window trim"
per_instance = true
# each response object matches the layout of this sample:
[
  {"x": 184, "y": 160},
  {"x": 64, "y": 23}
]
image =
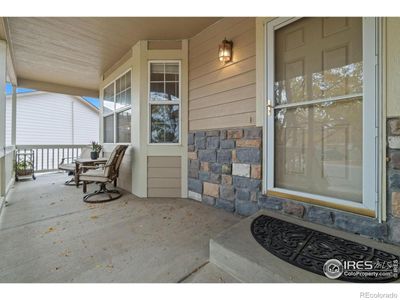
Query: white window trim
[
  {"x": 175, "y": 102},
  {"x": 370, "y": 128},
  {"x": 116, "y": 111}
]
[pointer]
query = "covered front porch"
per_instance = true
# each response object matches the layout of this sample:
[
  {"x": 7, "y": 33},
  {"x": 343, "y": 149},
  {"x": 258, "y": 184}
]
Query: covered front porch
[
  {"x": 49, "y": 234},
  {"x": 209, "y": 140}
]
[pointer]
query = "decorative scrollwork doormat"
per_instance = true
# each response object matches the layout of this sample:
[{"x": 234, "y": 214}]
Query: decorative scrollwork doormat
[{"x": 310, "y": 250}]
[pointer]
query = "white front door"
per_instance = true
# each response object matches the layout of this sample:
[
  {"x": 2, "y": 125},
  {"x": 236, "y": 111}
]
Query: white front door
[{"x": 321, "y": 122}]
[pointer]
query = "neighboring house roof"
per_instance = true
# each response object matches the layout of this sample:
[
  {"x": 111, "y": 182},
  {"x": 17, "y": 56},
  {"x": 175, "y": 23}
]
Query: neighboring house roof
[
  {"x": 81, "y": 99},
  {"x": 52, "y": 118},
  {"x": 91, "y": 101}
]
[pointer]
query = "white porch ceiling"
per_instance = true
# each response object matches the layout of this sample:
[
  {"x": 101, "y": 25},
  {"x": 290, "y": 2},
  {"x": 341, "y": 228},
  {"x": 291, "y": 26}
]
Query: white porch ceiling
[{"x": 75, "y": 52}]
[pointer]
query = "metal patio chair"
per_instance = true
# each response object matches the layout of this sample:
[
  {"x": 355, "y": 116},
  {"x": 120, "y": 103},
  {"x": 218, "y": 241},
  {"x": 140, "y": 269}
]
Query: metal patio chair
[
  {"x": 107, "y": 173},
  {"x": 66, "y": 165}
]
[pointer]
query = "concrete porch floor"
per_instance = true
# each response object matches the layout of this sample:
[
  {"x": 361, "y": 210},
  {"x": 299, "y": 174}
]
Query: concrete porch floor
[{"x": 48, "y": 234}]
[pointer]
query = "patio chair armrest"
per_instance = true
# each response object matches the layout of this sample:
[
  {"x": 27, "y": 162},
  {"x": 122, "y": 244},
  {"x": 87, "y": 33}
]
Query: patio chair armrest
[
  {"x": 65, "y": 158},
  {"x": 90, "y": 167}
]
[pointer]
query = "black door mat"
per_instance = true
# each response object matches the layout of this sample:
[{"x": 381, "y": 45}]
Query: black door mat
[{"x": 310, "y": 250}]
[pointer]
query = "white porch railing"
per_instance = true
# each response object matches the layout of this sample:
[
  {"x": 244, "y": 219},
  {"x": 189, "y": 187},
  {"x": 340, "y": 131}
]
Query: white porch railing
[{"x": 48, "y": 157}]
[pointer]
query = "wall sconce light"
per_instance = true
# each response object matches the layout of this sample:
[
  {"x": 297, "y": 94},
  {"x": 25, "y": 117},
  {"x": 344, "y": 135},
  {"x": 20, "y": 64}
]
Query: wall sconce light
[{"x": 225, "y": 51}]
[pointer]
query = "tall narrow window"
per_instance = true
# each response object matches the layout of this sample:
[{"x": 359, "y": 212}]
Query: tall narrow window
[
  {"x": 164, "y": 102},
  {"x": 117, "y": 110}
]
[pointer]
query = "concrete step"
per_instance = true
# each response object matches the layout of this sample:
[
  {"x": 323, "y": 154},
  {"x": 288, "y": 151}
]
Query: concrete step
[
  {"x": 210, "y": 273},
  {"x": 236, "y": 252}
]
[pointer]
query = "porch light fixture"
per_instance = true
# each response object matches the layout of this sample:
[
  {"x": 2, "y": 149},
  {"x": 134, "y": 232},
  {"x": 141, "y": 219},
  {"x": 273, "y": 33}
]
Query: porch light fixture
[{"x": 225, "y": 51}]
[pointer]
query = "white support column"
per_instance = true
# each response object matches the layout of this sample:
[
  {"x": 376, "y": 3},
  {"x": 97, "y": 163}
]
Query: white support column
[
  {"x": 14, "y": 116},
  {"x": 3, "y": 71}
]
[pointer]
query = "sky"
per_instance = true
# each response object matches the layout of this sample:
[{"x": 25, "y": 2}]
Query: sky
[{"x": 94, "y": 101}]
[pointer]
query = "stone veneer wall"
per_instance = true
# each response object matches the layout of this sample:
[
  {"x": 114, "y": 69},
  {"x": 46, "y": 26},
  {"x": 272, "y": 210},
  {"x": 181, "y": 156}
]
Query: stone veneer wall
[
  {"x": 225, "y": 171},
  {"x": 225, "y": 168},
  {"x": 393, "y": 182}
]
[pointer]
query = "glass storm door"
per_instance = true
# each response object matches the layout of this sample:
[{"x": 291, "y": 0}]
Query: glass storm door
[{"x": 320, "y": 110}]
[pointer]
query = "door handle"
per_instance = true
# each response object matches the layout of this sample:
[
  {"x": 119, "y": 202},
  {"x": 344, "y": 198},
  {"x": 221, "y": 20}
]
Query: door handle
[{"x": 269, "y": 107}]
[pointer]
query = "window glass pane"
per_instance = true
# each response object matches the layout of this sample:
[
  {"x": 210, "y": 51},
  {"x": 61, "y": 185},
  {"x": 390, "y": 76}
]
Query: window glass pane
[
  {"x": 118, "y": 99},
  {"x": 124, "y": 97},
  {"x": 124, "y": 126},
  {"x": 128, "y": 79},
  {"x": 118, "y": 88},
  {"x": 164, "y": 87},
  {"x": 157, "y": 92},
  {"x": 108, "y": 99},
  {"x": 172, "y": 72},
  {"x": 318, "y": 58},
  {"x": 164, "y": 124},
  {"x": 109, "y": 129},
  {"x": 123, "y": 82},
  {"x": 156, "y": 72},
  {"x": 172, "y": 90},
  {"x": 318, "y": 149}
]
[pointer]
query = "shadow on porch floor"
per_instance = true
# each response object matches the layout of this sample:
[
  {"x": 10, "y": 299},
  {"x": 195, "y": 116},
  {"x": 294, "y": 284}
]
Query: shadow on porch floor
[{"x": 48, "y": 234}]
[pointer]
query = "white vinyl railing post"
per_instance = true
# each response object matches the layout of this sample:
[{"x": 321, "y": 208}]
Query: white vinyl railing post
[
  {"x": 3, "y": 78},
  {"x": 14, "y": 115}
]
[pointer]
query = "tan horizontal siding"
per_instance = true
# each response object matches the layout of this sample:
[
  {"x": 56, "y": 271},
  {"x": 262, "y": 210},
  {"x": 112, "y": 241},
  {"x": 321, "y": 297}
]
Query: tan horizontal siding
[
  {"x": 164, "y": 161},
  {"x": 242, "y": 106},
  {"x": 164, "y": 172},
  {"x": 225, "y": 97},
  {"x": 222, "y": 95},
  {"x": 222, "y": 74},
  {"x": 164, "y": 176},
  {"x": 164, "y": 193},
  {"x": 209, "y": 63},
  {"x": 164, "y": 182},
  {"x": 224, "y": 85},
  {"x": 236, "y": 120}
]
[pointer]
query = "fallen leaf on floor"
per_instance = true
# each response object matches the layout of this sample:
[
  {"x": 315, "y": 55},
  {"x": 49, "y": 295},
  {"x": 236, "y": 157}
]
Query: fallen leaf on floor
[
  {"x": 94, "y": 217},
  {"x": 66, "y": 253},
  {"x": 52, "y": 203},
  {"x": 50, "y": 229}
]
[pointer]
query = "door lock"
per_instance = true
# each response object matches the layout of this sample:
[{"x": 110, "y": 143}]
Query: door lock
[{"x": 269, "y": 107}]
